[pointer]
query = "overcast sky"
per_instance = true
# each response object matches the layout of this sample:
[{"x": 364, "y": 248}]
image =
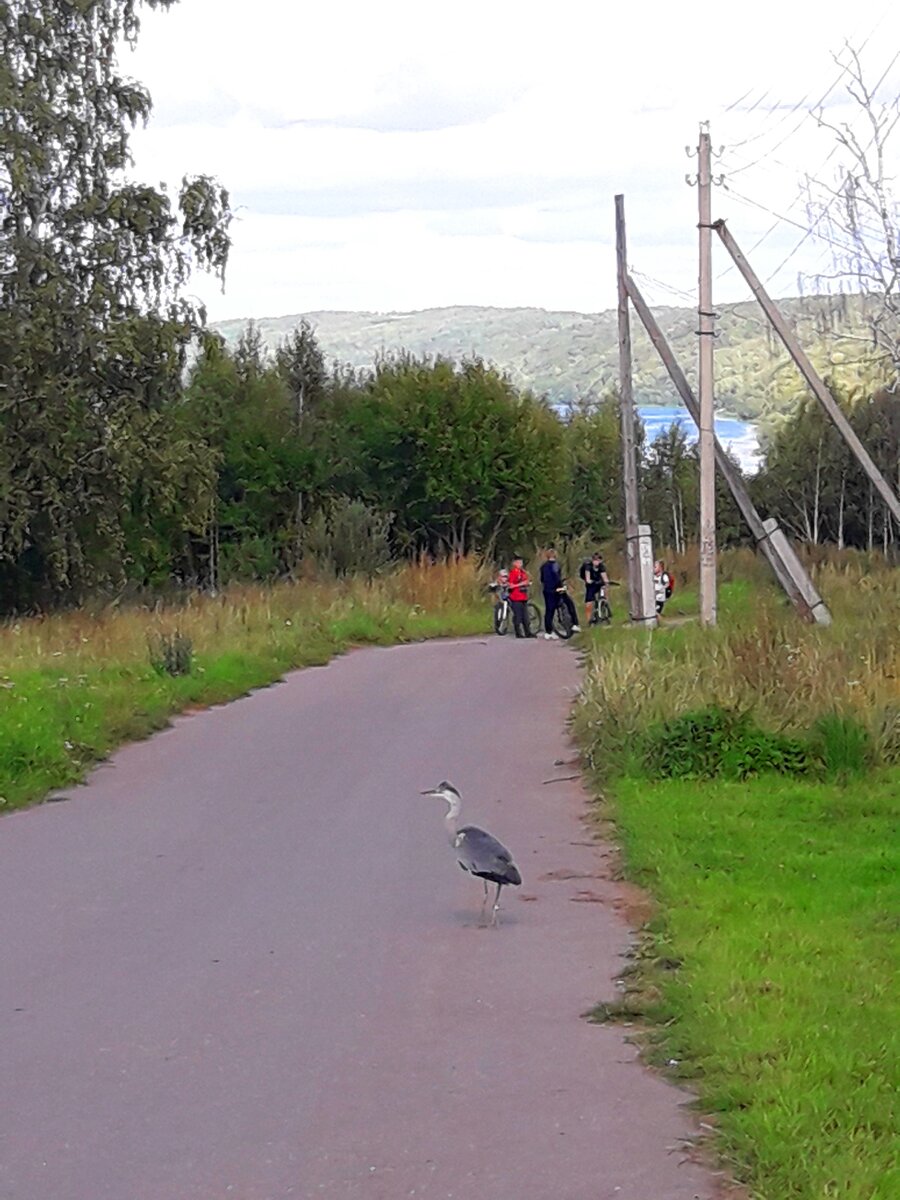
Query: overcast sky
[{"x": 402, "y": 155}]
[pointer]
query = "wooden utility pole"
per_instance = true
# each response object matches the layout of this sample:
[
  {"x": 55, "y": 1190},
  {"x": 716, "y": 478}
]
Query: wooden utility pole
[
  {"x": 626, "y": 402},
  {"x": 706, "y": 334},
  {"x": 788, "y": 570},
  {"x": 809, "y": 373}
]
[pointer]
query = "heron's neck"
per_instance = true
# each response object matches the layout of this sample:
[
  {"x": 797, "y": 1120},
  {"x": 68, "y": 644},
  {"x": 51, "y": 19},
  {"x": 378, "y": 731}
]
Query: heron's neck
[{"x": 452, "y": 818}]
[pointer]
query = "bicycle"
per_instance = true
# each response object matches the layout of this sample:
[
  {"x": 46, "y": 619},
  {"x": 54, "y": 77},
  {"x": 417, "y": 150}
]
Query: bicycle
[
  {"x": 563, "y": 622},
  {"x": 503, "y": 614},
  {"x": 602, "y": 611}
]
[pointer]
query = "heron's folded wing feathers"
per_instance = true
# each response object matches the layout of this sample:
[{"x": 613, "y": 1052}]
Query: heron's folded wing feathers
[{"x": 483, "y": 855}]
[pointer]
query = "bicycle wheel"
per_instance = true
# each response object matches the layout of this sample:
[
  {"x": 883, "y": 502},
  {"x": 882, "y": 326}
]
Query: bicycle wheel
[
  {"x": 533, "y": 615},
  {"x": 501, "y": 618},
  {"x": 605, "y": 612},
  {"x": 562, "y": 622}
]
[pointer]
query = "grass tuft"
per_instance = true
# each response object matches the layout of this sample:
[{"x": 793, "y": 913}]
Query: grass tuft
[{"x": 171, "y": 653}]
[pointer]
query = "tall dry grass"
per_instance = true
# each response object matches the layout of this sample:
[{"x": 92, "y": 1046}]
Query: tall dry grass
[
  {"x": 760, "y": 659},
  {"x": 74, "y": 685},
  {"x": 241, "y": 615}
]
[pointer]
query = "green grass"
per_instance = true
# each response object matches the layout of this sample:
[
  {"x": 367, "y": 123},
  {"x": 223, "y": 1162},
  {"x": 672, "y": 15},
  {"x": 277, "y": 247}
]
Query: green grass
[
  {"x": 768, "y": 976},
  {"x": 780, "y": 900},
  {"x": 75, "y": 686}
]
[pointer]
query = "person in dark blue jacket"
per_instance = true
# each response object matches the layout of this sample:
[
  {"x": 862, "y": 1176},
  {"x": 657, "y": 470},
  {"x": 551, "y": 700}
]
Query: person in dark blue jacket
[{"x": 553, "y": 587}]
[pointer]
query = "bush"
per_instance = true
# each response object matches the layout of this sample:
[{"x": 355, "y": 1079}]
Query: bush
[
  {"x": 719, "y": 743},
  {"x": 348, "y": 537}
]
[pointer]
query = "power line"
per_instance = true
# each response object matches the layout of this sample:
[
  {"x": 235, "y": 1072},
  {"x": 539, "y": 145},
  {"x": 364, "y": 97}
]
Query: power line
[
  {"x": 666, "y": 287},
  {"x": 827, "y": 209},
  {"x": 766, "y": 131},
  {"x": 779, "y": 218}
]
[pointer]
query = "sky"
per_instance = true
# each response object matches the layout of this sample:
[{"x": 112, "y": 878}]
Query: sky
[{"x": 402, "y": 155}]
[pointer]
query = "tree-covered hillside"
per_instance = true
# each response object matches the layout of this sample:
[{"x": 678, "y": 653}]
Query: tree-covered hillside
[{"x": 569, "y": 355}]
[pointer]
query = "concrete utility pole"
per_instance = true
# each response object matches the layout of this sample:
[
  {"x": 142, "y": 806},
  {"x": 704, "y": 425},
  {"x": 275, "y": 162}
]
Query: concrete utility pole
[
  {"x": 809, "y": 373},
  {"x": 706, "y": 334},
  {"x": 626, "y": 401}
]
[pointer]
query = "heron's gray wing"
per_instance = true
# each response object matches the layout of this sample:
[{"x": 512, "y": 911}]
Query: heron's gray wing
[{"x": 483, "y": 855}]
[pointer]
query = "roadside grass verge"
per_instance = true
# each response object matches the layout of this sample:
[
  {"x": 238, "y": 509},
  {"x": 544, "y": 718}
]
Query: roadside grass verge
[
  {"x": 779, "y": 909},
  {"x": 74, "y": 686},
  {"x": 767, "y": 976}
]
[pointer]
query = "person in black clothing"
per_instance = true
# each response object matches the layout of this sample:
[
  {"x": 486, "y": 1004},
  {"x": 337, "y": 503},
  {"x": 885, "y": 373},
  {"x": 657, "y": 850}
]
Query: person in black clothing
[
  {"x": 552, "y": 585},
  {"x": 593, "y": 573}
]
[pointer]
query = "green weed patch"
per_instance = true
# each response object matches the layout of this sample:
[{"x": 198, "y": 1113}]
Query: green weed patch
[{"x": 716, "y": 742}]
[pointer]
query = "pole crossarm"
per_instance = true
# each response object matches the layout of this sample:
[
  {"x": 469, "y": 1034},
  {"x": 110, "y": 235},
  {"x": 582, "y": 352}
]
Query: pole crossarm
[{"x": 808, "y": 371}]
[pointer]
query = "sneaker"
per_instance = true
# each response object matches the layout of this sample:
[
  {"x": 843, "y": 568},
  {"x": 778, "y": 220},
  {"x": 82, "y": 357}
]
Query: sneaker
[
  {"x": 576, "y": 629},
  {"x": 551, "y": 637}
]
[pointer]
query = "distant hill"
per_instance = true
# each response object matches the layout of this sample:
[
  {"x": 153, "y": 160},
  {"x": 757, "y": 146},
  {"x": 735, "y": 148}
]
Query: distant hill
[{"x": 570, "y": 356}]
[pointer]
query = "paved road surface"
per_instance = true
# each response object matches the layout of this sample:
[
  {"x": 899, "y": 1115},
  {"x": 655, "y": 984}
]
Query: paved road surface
[{"x": 241, "y": 963}]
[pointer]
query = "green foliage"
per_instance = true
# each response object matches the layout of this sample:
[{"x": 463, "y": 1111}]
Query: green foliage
[
  {"x": 593, "y": 438},
  {"x": 815, "y": 485},
  {"x": 93, "y": 329},
  {"x": 461, "y": 458},
  {"x": 348, "y": 537},
  {"x": 717, "y": 743}
]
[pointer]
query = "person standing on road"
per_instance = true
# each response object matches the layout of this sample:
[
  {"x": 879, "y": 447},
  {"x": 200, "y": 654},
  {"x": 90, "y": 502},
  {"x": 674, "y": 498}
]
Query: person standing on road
[
  {"x": 519, "y": 583},
  {"x": 553, "y": 587},
  {"x": 593, "y": 574}
]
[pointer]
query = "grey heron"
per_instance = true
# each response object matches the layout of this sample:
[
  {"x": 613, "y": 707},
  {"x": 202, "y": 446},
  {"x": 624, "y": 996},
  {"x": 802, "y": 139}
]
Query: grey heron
[{"x": 477, "y": 851}]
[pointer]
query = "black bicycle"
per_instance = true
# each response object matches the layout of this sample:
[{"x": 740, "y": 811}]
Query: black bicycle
[
  {"x": 563, "y": 621},
  {"x": 503, "y": 614}
]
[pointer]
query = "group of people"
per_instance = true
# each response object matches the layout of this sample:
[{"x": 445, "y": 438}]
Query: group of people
[{"x": 516, "y": 582}]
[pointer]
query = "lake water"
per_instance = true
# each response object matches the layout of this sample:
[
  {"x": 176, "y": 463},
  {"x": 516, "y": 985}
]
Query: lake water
[{"x": 738, "y": 436}]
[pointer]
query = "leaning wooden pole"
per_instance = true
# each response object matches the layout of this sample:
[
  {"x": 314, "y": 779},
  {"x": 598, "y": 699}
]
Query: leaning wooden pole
[
  {"x": 809, "y": 373},
  {"x": 792, "y": 576},
  {"x": 626, "y": 402}
]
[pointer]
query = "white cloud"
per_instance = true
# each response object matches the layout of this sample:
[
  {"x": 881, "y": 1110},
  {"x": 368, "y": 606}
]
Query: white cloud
[{"x": 409, "y": 154}]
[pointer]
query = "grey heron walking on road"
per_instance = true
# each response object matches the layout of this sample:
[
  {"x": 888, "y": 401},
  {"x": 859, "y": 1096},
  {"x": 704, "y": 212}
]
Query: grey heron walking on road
[{"x": 477, "y": 851}]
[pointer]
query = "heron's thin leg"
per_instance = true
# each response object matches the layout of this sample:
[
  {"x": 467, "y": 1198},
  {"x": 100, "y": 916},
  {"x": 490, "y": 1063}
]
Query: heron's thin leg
[
  {"x": 495, "y": 919},
  {"x": 484, "y": 901}
]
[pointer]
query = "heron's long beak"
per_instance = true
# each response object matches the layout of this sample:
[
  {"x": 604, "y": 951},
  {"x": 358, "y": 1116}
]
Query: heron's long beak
[{"x": 430, "y": 792}]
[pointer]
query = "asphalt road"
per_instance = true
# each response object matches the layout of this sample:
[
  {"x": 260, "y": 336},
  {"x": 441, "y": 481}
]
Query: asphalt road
[{"x": 242, "y": 963}]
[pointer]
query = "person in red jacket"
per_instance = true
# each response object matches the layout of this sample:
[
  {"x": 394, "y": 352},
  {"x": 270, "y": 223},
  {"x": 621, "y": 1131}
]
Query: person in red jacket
[{"x": 519, "y": 582}]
